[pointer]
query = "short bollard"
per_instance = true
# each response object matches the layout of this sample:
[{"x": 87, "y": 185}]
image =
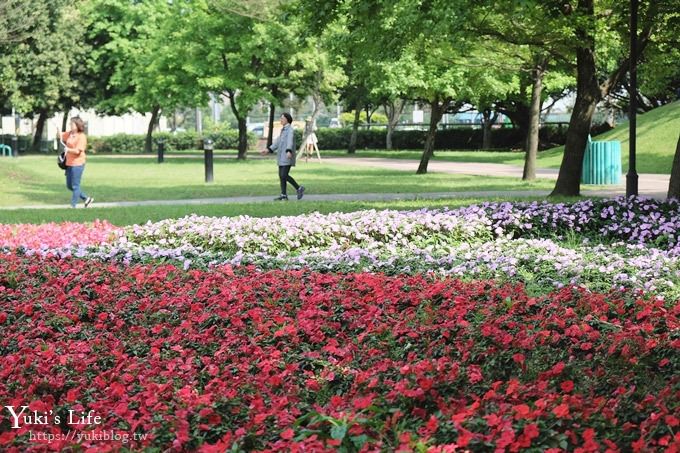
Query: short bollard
[
  {"x": 208, "y": 153},
  {"x": 161, "y": 150},
  {"x": 15, "y": 146}
]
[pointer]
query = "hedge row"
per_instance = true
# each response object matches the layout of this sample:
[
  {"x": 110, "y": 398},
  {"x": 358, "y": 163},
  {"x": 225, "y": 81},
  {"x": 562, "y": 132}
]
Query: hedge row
[
  {"x": 445, "y": 139},
  {"x": 332, "y": 139},
  {"x": 130, "y": 143}
]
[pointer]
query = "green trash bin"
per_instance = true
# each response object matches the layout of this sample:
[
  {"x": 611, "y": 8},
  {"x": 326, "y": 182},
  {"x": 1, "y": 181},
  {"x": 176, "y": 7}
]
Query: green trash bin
[{"x": 602, "y": 163}]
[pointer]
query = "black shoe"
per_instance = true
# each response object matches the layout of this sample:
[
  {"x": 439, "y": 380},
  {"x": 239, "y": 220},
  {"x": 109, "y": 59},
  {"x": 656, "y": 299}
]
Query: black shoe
[
  {"x": 281, "y": 198},
  {"x": 300, "y": 192},
  {"x": 88, "y": 201}
]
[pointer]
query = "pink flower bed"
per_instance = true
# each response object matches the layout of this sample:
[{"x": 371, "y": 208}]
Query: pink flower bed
[{"x": 56, "y": 235}]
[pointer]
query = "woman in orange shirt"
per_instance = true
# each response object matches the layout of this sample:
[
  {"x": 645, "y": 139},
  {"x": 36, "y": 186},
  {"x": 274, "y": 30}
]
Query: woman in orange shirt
[{"x": 76, "y": 142}]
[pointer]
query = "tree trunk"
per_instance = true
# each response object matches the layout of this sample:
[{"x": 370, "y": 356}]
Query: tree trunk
[
  {"x": 242, "y": 138},
  {"x": 674, "y": 185},
  {"x": 39, "y": 130},
  {"x": 148, "y": 144},
  {"x": 311, "y": 125},
  {"x": 519, "y": 115},
  {"x": 270, "y": 129},
  {"x": 588, "y": 94},
  {"x": 64, "y": 121},
  {"x": 393, "y": 110},
  {"x": 355, "y": 128},
  {"x": 489, "y": 118},
  {"x": 438, "y": 110},
  {"x": 242, "y": 126},
  {"x": 537, "y": 73},
  {"x": 569, "y": 178},
  {"x": 368, "y": 117}
]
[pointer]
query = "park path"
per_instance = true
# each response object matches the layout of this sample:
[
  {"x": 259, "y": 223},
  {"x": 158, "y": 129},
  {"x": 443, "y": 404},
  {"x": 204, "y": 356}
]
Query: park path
[{"x": 649, "y": 185}]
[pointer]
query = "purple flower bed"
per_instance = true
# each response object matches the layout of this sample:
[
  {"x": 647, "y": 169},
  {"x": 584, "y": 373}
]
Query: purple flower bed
[{"x": 635, "y": 219}]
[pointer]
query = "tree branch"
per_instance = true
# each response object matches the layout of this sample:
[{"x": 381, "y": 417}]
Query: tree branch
[{"x": 623, "y": 67}]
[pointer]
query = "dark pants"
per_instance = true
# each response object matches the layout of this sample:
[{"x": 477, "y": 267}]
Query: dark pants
[
  {"x": 284, "y": 178},
  {"x": 73, "y": 177}
]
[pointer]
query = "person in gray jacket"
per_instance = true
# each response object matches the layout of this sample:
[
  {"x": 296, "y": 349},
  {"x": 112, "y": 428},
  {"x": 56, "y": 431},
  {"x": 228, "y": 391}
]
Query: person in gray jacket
[{"x": 285, "y": 157}]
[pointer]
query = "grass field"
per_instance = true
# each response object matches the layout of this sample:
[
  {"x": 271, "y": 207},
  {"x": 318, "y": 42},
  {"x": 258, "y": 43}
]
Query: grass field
[
  {"x": 141, "y": 214},
  {"x": 36, "y": 180},
  {"x": 657, "y": 137}
]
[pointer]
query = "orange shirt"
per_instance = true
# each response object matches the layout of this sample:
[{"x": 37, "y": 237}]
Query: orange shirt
[{"x": 75, "y": 141}]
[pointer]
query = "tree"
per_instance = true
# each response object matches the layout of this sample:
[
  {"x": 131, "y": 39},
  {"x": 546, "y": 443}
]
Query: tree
[
  {"x": 20, "y": 22},
  {"x": 529, "y": 42},
  {"x": 595, "y": 79},
  {"x": 413, "y": 46},
  {"x": 394, "y": 106},
  {"x": 240, "y": 56},
  {"x": 415, "y": 50},
  {"x": 44, "y": 64},
  {"x": 674, "y": 185},
  {"x": 352, "y": 42},
  {"x": 20, "y": 19},
  {"x": 316, "y": 71},
  {"x": 134, "y": 69},
  {"x": 356, "y": 92}
]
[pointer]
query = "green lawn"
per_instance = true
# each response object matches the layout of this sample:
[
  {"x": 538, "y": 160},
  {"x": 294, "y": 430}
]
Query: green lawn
[
  {"x": 486, "y": 157},
  {"x": 657, "y": 137},
  {"x": 36, "y": 180},
  {"x": 141, "y": 214}
]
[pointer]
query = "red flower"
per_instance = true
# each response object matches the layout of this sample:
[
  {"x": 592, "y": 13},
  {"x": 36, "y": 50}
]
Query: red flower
[
  {"x": 475, "y": 374},
  {"x": 567, "y": 386},
  {"x": 432, "y": 424},
  {"x": 507, "y": 438},
  {"x": 363, "y": 402},
  {"x": 586, "y": 346},
  {"x": 521, "y": 411},
  {"x": 287, "y": 434},
  {"x": 531, "y": 431},
  {"x": 464, "y": 438},
  {"x": 561, "y": 411}
]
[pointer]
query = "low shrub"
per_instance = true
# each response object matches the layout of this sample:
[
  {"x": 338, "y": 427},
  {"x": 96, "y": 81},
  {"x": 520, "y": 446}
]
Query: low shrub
[{"x": 134, "y": 143}]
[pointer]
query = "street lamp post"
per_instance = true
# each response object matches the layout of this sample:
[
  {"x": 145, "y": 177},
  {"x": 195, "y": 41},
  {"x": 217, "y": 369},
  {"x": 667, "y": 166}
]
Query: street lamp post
[{"x": 632, "y": 176}]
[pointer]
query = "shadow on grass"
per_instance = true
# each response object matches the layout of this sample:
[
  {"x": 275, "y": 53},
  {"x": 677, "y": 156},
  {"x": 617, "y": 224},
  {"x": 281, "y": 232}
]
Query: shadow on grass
[
  {"x": 130, "y": 179},
  {"x": 36, "y": 194}
]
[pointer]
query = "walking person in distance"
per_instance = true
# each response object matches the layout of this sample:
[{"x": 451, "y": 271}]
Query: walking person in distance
[
  {"x": 285, "y": 157},
  {"x": 76, "y": 143}
]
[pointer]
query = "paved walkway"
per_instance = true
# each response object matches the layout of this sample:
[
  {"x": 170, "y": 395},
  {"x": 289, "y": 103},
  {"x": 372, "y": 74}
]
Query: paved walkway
[{"x": 650, "y": 185}]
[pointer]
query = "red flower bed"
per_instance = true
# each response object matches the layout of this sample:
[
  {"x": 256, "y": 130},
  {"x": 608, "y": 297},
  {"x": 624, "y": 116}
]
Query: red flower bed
[{"x": 310, "y": 362}]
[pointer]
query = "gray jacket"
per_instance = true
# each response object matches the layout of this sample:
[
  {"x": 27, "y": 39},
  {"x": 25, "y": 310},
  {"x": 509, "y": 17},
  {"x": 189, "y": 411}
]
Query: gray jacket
[{"x": 284, "y": 142}]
